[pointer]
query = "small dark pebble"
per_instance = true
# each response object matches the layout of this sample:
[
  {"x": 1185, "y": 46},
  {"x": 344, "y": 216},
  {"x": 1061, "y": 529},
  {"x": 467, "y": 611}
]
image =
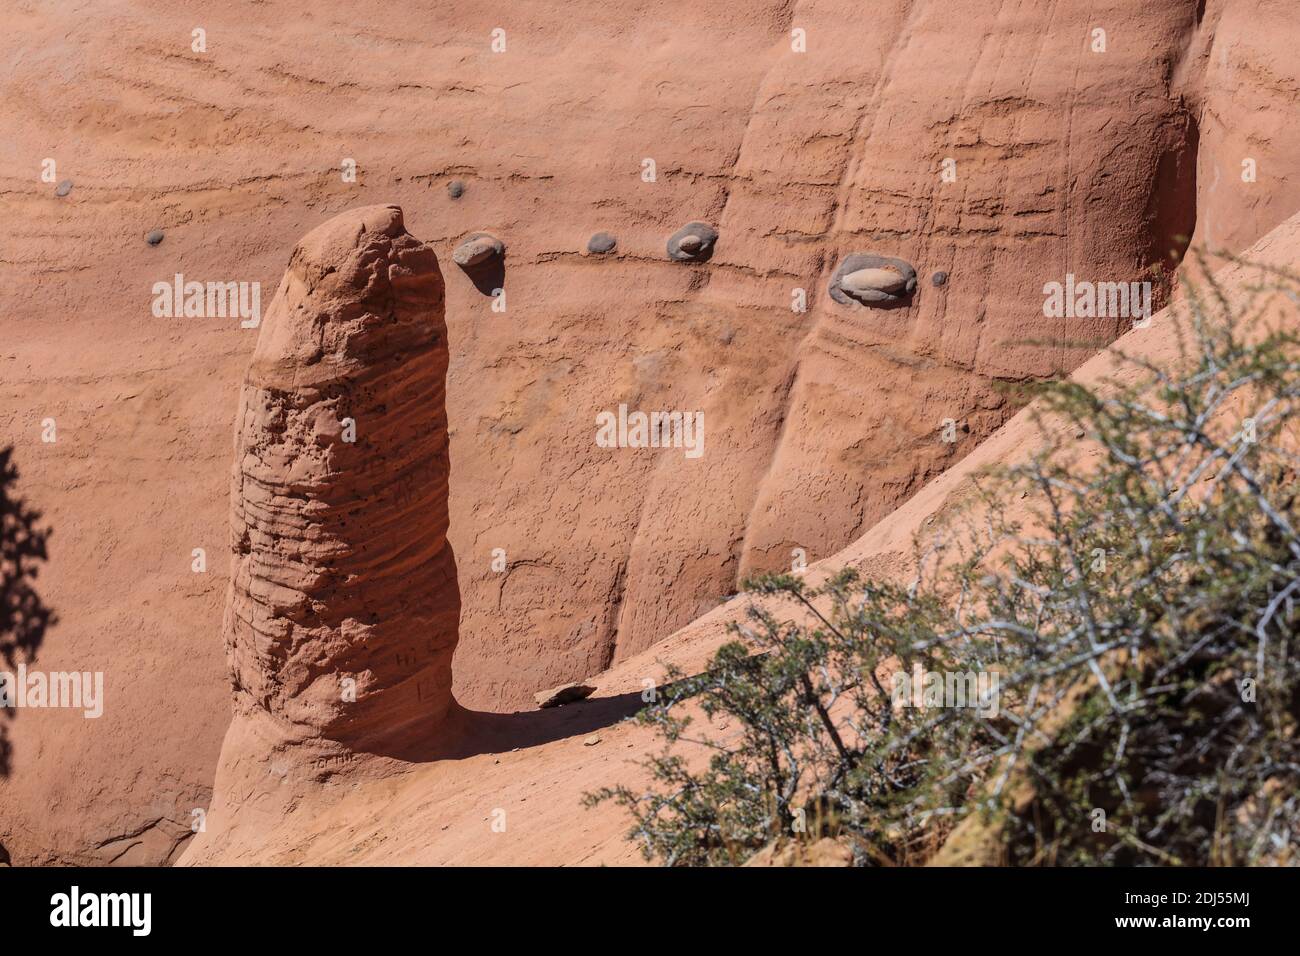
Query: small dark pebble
[
  {"x": 154, "y": 237},
  {"x": 63, "y": 188},
  {"x": 939, "y": 278},
  {"x": 455, "y": 189},
  {"x": 601, "y": 243}
]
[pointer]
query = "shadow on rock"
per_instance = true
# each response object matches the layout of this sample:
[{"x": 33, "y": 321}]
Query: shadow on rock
[
  {"x": 467, "y": 733},
  {"x": 24, "y": 617},
  {"x": 488, "y": 276}
]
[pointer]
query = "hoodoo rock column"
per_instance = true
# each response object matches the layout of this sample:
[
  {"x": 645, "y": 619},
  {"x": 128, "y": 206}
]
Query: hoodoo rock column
[{"x": 343, "y": 608}]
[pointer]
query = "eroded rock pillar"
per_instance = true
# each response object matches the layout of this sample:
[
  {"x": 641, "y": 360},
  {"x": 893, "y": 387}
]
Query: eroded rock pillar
[{"x": 343, "y": 609}]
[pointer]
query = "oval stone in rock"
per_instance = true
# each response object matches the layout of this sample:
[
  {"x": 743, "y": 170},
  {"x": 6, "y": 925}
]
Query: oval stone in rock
[
  {"x": 601, "y": 243},
  {"x": 154, "y": 237},
  {"x": 455, "y": 189},
  {"x": 63, "y": 188},
  {"x": 939, "y": 278},
  {"x": 872, "y": 280},
  {"x": 692, "y": 243},
  {"x": 477, "y": 249}
]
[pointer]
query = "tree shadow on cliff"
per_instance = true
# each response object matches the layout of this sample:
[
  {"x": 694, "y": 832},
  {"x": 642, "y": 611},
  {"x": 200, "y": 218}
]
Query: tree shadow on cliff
[{"x": 24, "y": 617}]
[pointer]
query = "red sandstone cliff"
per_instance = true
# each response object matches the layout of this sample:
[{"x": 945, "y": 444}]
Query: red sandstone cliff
[
  {"x": 819, "y": 423},
  {"x": 442, "y": 812}
]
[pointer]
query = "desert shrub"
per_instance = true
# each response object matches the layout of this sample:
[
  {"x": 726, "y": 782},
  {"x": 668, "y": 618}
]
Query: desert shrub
[{"x": 1129, "y": 602}]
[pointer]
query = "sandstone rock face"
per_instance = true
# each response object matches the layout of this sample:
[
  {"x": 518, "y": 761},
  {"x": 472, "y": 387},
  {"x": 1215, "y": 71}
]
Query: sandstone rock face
[
  {"x": 538, "y": 787},
  {"x": 343, "y": 603},
  {"x": 820, "y": 422}
]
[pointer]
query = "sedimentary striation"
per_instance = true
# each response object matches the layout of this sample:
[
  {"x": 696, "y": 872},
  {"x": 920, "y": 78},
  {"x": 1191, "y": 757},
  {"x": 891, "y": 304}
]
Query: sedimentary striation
[{"x": 343, "y": 607}]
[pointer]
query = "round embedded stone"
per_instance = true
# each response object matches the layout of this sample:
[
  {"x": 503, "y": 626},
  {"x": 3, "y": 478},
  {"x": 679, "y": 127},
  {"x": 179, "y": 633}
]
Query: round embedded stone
[
  {"x": 692, "y": 243},
  {"x": 455, "y": 189},
  {"x": 477, "y": 249},
  {"x": 939, "y": 278},
  {"x": 154, "y": 237},
  {"x": 63, "y": 188},
  {"x": 601, "y": 243},
  {"x": 872, "y": 280}
]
